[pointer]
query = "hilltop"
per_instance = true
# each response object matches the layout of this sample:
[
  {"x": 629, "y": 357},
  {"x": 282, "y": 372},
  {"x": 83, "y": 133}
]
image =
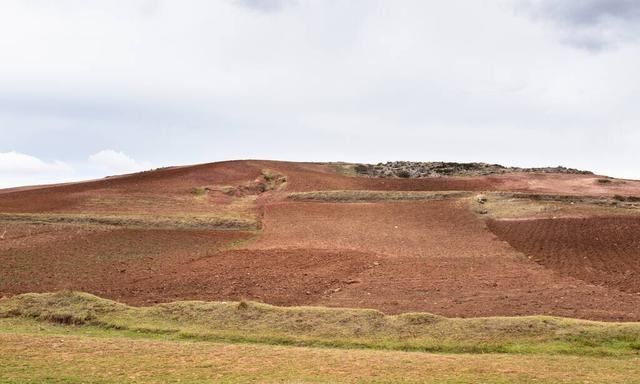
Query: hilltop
[{"x": 412, "y": 169}]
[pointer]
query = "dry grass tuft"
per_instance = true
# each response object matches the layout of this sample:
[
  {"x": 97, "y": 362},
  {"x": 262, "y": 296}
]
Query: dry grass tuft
[
  {"x": 220, "y": 222},
  {"x": 362, "y": 196}
]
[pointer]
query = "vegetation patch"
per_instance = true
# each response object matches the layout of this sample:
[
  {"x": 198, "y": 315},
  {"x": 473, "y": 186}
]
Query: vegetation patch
[
  {"x": 629, "y": 199},
  {"x": 360, "y": 196},
  {"x": 249, "y": 322},
  {"x": 199, "y": 191},
  {"x": 182, "y": 222},
  {"x": 271, "y": 180},
  {"x": 347, "y": 169},
  {"x": 267, "y": 181},
  {"x": 517, "y": 204}
]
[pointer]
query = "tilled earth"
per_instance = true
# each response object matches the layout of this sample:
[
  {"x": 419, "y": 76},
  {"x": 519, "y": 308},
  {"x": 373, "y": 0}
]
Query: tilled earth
[
  {"x": 110, "y": 262},
  {"x": 436, "y": 256},
  {"x": 603, "y": 251}
]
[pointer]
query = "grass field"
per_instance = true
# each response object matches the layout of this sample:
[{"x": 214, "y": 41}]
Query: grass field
[
  {"x": 70, "y": 358},
  {"x": 76, "y": 337}
]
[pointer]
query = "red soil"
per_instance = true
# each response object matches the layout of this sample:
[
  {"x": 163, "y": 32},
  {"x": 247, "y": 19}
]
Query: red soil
[
  {"x": 316, "y": 177},
  {"x": 276, "y": 276},
  {"x": 147, "y": 266},
  {"x": 105, "y": 261},
  {"x": 434, "y": 256},
  {"x": 171, "y": 187},
  {"x": 422, "y": 229},
  {"x": 601, "y": 250}
]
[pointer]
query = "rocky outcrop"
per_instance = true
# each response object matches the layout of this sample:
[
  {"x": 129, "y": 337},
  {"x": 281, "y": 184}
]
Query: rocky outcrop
[{"x": 410, "y": 169}]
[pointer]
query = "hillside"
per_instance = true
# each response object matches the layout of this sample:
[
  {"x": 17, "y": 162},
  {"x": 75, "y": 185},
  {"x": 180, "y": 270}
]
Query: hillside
[{"x": 518, "y": 242}]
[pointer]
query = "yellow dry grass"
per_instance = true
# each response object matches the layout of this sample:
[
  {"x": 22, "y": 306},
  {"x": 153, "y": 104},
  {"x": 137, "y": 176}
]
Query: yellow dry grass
[
  {"x": 74, "y": 359},
  {"x": 217, "y": 222}
]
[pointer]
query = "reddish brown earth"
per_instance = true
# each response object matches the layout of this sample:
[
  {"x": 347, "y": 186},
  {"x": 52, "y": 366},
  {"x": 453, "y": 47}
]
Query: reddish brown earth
[
  {"x": 423, "y": 229},
  {"x": 604, "y": 251},
  {"x": 107, "y": 261},
  {"x": 436, "y": 256},
  {"x": 170, "y": 188},
  {"x": 162, "y": 191},
  {"x": 276, "y": 276}
]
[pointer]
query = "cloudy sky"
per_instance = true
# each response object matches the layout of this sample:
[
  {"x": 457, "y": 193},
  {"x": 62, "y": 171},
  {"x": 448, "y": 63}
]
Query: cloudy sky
[{"x": 93, "y": 88}]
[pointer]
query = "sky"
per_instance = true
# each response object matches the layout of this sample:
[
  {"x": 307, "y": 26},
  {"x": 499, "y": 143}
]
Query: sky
[{"x": 96, "y": 88}]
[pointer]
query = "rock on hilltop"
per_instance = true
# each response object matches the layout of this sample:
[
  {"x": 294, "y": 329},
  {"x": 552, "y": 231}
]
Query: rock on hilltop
[{"x": 410, "y": 169}]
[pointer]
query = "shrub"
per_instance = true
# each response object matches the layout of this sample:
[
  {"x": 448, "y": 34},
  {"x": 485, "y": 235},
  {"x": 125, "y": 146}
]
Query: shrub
[
  {"x": 361, "y": 168},
  {"x": 199, "y": 191},
  {"x": 268, "y": 175}
]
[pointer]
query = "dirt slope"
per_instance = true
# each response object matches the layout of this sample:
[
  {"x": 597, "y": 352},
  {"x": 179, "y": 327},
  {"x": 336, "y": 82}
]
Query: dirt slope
[
  {"x": 604, "y": 251},
  {"x": 437, "y": 255},
  {"x": 171, "y": 188}
]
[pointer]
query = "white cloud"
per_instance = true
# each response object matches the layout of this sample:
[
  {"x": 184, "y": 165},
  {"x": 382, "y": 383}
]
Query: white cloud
[
  {"x": 15, "y": 162},
  {"x": 19, "y": 169},
  {"x": 117, "y": 162},
  {"x": 22, "y": 169}
]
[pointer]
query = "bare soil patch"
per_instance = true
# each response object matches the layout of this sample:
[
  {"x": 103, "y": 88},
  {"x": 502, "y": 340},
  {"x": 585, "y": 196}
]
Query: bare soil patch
[
  {"x": 141, "y": 266},
  {"x": 275, "y": 276},
  {"x": 167, "y": 190},
  {"x": 438, "y": 257},
  {"x": 416, "y": 228},
  {"x": 600, "y": 250},
  {"x": 474, "y": 286},
  {"x": 102, "y": 260}
]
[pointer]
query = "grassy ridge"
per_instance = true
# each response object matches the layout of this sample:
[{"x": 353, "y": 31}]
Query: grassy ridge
[
  {"x": 361, "y": 196},
  {"x": 248, "y": 322},
  {"x": 188, "y": 222}
]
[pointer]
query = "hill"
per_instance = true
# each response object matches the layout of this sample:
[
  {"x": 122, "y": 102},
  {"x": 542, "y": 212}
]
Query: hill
[
  {"x": 266, "y": 271},
  {"x": 546, "y": 241}
]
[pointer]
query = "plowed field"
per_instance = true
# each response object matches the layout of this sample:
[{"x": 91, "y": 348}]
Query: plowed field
[
  {"x": 438, "y": 256},
  {"x": 604, "y": 251}
]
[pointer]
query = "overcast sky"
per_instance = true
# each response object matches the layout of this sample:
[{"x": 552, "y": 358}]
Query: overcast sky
[{"x": 93, "y": 88}]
